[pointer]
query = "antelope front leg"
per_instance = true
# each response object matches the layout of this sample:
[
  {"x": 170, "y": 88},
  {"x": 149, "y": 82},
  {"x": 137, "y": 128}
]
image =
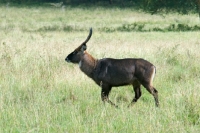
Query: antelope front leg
[
  {"x": 105, "y": 98},
  {"x": 105, "y": 90}
]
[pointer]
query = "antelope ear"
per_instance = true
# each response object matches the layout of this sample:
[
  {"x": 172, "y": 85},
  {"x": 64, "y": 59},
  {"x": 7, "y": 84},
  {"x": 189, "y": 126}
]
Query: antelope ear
[{"x": 83, "y": 47}]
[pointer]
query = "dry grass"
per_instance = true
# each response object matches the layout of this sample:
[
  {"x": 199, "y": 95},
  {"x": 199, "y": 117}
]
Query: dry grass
[{"x": 40, "y": 92}]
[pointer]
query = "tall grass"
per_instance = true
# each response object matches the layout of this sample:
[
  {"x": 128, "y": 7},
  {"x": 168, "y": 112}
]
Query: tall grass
[{"x": 40, "y": 92}]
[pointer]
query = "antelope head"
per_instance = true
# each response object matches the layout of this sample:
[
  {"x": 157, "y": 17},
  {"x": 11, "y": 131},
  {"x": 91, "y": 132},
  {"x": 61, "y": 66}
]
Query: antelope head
[{"x": 75, "y": 56}]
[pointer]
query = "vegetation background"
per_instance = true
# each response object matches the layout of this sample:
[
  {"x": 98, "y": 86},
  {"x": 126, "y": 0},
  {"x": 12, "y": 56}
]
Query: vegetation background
[
  {"x": 183, "y": 6},
  {"x": 40, "y": 92}
]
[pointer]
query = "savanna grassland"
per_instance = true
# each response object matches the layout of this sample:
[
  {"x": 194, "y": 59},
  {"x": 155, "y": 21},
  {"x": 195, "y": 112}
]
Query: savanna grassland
[{"x": 40, "y": 92}]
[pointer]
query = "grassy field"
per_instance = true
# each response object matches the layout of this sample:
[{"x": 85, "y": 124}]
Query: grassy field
[{"x": 40, "y": 92}]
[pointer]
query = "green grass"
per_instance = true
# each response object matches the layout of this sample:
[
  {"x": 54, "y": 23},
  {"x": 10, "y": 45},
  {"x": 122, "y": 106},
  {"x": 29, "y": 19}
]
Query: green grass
[{"x": 40, "y": 92}]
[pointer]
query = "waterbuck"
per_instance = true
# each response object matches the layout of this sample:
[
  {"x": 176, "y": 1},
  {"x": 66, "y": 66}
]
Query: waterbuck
[{"x": 108, "y": 72}]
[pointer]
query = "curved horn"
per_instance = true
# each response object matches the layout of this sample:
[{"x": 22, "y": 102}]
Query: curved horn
[{"x": 88, "y": 38}]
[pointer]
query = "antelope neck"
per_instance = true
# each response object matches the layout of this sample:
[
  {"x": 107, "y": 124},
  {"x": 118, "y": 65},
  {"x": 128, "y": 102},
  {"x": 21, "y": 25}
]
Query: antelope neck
[{"x": 88, "y": 64}]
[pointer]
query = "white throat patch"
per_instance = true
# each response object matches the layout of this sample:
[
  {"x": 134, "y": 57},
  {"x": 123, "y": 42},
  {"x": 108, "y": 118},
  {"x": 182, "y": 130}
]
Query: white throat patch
[{"x": 80, "y": 63}]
